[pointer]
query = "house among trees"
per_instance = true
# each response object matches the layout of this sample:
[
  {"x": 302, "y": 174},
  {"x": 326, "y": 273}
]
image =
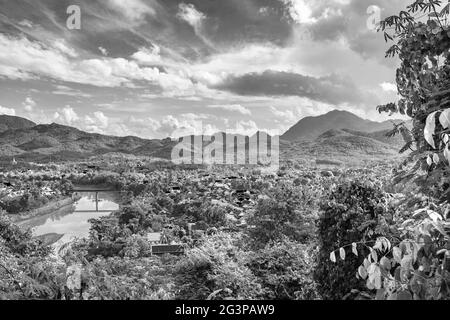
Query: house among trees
[{"x": 160, "y": 244}]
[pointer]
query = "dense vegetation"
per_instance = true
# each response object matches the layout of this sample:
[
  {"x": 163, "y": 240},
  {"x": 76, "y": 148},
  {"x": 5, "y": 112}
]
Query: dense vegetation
[
  {"x": 353, "y": 212},
  {"x": 416, "y": 264}
]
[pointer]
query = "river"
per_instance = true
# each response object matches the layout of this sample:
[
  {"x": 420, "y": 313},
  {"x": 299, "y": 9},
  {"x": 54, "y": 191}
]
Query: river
[{"x": 71, "y": 222}]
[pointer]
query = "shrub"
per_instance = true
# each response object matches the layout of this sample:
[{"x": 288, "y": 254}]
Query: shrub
[
  {"x": 416, "y": 266},
  {"x": 351, "y": 213},
  {"x": 26, "y": 270},
  {"x": 286, "y": 211},
  {"x": 215, "y": 269},
  {"x": 19, "y": 241},
  {"x": 284, "y": 270},
  {"x": 126, "y": 279}
]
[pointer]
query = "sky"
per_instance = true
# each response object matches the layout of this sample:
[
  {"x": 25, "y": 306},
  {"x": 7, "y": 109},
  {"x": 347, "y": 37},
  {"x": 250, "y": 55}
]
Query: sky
[{"x": 155, "y": 68}]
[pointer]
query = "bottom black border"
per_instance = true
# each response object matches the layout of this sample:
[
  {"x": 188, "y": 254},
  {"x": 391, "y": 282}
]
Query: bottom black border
[{"x": 168, "y": 309}]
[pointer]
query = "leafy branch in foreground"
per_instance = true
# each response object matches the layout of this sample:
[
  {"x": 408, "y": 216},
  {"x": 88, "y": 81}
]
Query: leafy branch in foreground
[{"x": 421, "y": 37}]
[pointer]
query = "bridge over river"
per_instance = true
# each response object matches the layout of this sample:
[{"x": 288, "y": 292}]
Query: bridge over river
[{"x": 95, "y": 193}]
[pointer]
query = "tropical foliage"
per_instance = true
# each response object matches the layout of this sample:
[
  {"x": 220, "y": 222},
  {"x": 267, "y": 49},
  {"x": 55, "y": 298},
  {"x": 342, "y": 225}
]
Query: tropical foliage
[{"x": 415, "y": 265}]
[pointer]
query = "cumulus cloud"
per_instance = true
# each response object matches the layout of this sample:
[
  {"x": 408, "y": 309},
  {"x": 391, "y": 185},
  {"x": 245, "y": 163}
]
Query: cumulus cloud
[
  {"x": 300, "y": 11},
  {"x": 285, "y": 115},
  {"x": 97, "y": 122},
  {"x": 66, "y": 116},
  {"x": 249, "y": 128},
  {"x": 183, "y": 125},
  {"x": 7, "y": 111},
  {"x": 29, "y": 104},
  {"x": 148, "y": 56}
]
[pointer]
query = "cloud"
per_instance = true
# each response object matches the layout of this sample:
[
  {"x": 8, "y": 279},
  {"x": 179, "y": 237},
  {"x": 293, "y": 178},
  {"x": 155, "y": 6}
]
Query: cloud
[
  {"x": 285, "y": 115},
  {"x": 346, "y": 21},
  {"x": 195, "y": 18},
  {"x": 66, "y": 116},
  {"x": 191, "y": 15},
  {"x": 67, "y": 91},
  {"x": 134, "y": 10},
  {"x": 233, "y": 108},
  {"x": 22, "y": 58},
  {"x": 62, "y": 46},
  {"x": 148, "y": 56},
  {"x": 25, "y": 23},
  {"x": 249, "y": 128},
  {"x": 7, "y": 111},
  {"x": 97, "y": 122},
  {"x": 175, "y": 127},
  {"x": 170, "y": 126},
  {"x": 300, "y": 11},
  {"x": 103, "y": 51},
  {"x": 29, "y": 104},
  {"x": 25, "y": 58},
  {"x": 14, "y": 73},
  {"x": 329, "y": 89},
  {"x": 388, "y": 86}
]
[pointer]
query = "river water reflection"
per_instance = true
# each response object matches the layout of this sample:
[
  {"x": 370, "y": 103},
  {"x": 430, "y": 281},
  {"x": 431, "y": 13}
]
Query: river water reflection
[{"x": 72, "y": 221}]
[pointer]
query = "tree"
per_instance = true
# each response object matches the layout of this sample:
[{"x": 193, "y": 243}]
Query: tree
[
  {"x": 421, "y": 37},
  {"x": 417, "y": 266},
  {"x": 353, "y": 212},
  {"x": 216, "y": 270},
  {"x": 26, "y": 270},
  {"x": 284, "y": 270},
  {"x": 285, "y": 211}
]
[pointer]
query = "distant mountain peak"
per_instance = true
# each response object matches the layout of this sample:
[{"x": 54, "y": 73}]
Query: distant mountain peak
[
  {"x": 337, "y": 111},
  {"x": 310, "y": 128}
]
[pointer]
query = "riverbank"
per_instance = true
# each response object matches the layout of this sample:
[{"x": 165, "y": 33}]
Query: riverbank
[{"x": 44, "y": 210}]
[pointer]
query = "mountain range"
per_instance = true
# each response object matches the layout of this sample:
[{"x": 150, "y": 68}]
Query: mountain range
[{"x": 333, "y": 137}]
